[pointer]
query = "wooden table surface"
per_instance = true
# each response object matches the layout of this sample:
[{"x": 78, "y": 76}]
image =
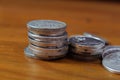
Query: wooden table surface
[{"x": 100, "y": 18}]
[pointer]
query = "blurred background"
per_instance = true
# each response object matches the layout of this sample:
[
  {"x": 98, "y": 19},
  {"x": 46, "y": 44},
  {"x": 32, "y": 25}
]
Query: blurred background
[{"x": 98, "y": 17}]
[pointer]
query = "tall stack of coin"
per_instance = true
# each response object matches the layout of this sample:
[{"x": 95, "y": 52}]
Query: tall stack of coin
[{"x": 47, "y": 39}]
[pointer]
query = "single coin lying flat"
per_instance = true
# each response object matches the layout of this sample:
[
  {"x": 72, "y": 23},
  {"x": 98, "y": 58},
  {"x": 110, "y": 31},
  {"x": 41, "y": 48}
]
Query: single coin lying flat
[{"x": 112, "y": 62}]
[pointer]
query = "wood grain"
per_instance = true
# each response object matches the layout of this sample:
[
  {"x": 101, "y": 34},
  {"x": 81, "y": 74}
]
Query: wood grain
[{"x": 100, "y": 18}]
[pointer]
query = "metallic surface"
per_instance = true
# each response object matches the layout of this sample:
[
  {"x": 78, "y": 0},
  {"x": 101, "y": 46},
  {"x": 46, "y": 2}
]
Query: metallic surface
[
  {"x": 112, "y": 62},
  {"x": 109, "y": 50},
  {"x": 32, "y": 54},
  {"x": 46, "y": 27},
  {"x": 29, "y": 53},
  {"x": 82, "y": 44},
  {"x": 48, "y": 38},
  {"x": 79, "y": 40},
  {"x": 96, "y": 37},
  {"x": 46, "y": 52},
  {"x": 48, "y": 44}
]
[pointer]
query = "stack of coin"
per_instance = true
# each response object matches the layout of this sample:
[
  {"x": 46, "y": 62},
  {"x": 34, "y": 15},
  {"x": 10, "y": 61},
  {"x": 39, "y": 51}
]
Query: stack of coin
[
  {"x": 47, "y": 39},
  {"x": 86, "y": 47},
  {"x": 111, "y": 59}
]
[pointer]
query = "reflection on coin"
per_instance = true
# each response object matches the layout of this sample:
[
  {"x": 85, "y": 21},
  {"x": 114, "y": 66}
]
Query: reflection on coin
[
  {"x": 48, "y": 38},
  {"x": 112, "y": 62},
  {"x": 46, "y": 44},
  {"x": 46, "y": 27},
  {"x": 110, "y": 49},
  {"x": 97, "y": 37}
]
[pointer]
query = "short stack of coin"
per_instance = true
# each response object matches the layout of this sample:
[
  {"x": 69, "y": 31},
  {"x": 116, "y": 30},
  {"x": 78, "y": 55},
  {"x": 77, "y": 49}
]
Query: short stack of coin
[
  {"x": 47, "y": 39},
  {"x": 86, "y": 47}
]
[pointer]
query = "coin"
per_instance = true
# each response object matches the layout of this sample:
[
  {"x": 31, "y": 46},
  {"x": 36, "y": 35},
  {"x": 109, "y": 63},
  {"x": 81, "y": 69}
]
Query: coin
[
  {"x": 97, "y": 37},
  {"x": 112, "y": 62},
  {"x": 48, "y": 44},
  {"x": 48, "y": 38},
  {"x": 29, "y": 53},
  {"x": 46, "y": 27},
  {"x": 86, "y": 44},
  {"x": 79, "y": 40},
  {"x": 32, "y": 54},
  {"x": 110, "y": 49},
  {"x": 48, "y": 51},
  {"x": 45, "y": 56}
]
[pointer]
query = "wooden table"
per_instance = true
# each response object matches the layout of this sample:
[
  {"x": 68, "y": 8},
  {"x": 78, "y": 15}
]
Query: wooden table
[{"x": 100, "y": 18}]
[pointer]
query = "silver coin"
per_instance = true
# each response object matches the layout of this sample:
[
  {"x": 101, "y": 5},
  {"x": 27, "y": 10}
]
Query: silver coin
[
  {"x": 48, "y": 44},
  {"x": 32, "y": 54},
  {"x": 110, "y": 49},
  {"x": 97, "y": 37},
  {"x": 79, "y": 40},
  {"x": 48, "y": 38},
  {"x": 46, "y": 56},
  {"x": 82, "y": 44},
  {"x": 46, "y": 27},
  {"x": 112, "y": 62},
  {"x": 45, "y": 53},
  {"x": 29, "y": 53}
]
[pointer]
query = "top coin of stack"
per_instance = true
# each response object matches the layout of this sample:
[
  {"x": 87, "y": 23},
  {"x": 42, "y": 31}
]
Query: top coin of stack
[
  {"x": 47, "y": 39},
  {"x": 47, "y": 27}
]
